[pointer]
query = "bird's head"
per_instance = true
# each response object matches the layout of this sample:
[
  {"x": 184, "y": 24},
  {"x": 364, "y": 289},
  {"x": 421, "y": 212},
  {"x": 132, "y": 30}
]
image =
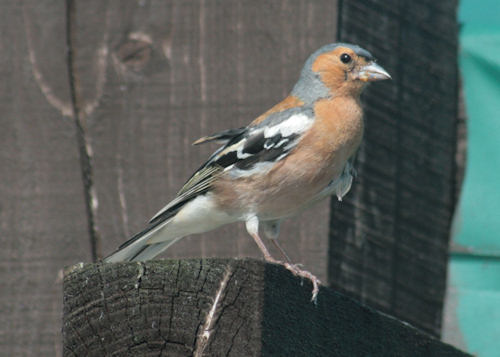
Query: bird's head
[{"x": 337, "y": 69}]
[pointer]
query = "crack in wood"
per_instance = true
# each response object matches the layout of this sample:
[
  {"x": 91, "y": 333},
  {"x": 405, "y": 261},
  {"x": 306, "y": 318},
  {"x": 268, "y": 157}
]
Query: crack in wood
[
  {"x": 76, "y": 332},
  {"x": 160, "y": 315},
  {"x": 84, "y": 147},
  {"x": 105, "y": 307},
  {"x": 234, "y": 336},
  {"x": 141, "y": 271},
  {"x": 240, "y": 319},
  {"x": 172, "y": 304},
  {"x": 127, "y": 313},
  {"x": 204, "y": 336}
]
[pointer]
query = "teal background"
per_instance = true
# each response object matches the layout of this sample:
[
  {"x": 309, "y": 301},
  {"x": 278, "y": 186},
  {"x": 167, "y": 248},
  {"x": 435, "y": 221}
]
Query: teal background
[{"x": 472, "y": 318}]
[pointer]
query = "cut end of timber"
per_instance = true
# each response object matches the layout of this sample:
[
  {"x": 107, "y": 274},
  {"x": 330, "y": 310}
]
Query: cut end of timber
[{"x": 229, "y": 307}]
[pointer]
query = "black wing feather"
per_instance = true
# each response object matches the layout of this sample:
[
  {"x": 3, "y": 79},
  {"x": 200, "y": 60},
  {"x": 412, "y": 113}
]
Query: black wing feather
[
  {"x": 245, "y": 147},
  {"x": 223, "y": 136}
]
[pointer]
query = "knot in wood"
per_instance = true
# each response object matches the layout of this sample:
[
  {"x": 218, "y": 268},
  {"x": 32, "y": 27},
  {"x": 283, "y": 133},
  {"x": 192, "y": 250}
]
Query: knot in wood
[{"x": 134, "y": 54}]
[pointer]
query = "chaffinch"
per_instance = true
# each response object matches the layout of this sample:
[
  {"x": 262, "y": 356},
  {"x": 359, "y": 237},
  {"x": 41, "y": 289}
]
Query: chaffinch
[{"x": 295, "y": 154}]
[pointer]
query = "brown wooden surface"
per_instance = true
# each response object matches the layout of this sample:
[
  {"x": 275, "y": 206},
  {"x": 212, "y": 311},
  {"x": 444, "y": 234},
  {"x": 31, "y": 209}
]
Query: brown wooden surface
[
  {"x": 176, "y": 71},
  {"x": 224, "y": 307},
  {"x": 389, "y": 239},
  {"x": 42, "y": 210},
  {"x": 146, "y": 79}
]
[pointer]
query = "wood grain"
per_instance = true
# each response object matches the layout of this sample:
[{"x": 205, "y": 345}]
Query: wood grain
[
  {"x": 389, "y": 240},
  {"x": 42, "y": 210},
  {"x": 176, "y": 71},
  {"x": 223, "y": 307}
]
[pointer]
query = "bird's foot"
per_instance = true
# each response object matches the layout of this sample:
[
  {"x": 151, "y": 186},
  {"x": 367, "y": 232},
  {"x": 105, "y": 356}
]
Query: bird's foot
[{"x": 297, "y": 271}]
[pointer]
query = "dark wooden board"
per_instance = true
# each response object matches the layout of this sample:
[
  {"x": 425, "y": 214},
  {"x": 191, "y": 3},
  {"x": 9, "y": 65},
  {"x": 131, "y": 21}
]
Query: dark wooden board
[
  {"x": 221, "y": 307},
  {"x": 389, "y": 240},
  {"x": 173, "y": 72},
  {"x": 42, "y": 212}
]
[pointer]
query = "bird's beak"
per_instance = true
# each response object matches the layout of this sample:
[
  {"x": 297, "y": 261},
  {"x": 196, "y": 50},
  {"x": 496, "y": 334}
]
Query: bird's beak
[{"x": 373, "y": 72}]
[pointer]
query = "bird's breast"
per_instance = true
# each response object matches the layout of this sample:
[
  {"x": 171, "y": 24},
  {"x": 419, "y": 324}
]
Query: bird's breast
[{"x": 294, "y": 182}]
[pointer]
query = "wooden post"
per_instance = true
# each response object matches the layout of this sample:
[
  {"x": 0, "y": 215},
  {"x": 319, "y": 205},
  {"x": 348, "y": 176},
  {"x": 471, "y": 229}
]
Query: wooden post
[
  {"x": 221, "y": 307},
  {"x": 389, "y": 237}
]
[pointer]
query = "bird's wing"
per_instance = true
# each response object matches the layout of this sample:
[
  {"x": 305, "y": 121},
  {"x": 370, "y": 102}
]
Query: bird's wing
[
  {"x": 222, "y": 138},
  {"x": 251, "y": 150}
]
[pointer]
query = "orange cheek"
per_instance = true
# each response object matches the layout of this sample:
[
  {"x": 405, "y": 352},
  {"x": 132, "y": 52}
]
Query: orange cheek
[
  {"x": 322, "y": 62},
  {"x": 332, "y": 73},
  {"x": 333, "y": 78}
]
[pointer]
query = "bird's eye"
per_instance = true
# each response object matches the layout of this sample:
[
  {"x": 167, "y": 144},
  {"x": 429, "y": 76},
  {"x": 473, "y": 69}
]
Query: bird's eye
[{"x": 345, "y": 58}]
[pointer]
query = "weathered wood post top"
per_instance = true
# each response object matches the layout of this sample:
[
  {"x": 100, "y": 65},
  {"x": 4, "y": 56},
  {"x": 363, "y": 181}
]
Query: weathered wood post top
[{"x": 223, "y": 307}]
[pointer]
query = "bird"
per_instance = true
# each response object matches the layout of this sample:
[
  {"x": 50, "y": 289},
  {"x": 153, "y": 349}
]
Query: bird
[{"x": 287, "y": 159}]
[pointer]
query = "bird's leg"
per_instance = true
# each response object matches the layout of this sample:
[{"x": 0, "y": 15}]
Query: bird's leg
[
  {"x": 263, "y": 249},
  {"x": 282, "y": 251},
  {"x": 252, "y": 226},
  {"x": 271, "y": 230}
]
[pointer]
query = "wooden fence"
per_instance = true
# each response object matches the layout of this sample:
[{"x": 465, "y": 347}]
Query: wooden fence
[{"x": 100, "y": 101}]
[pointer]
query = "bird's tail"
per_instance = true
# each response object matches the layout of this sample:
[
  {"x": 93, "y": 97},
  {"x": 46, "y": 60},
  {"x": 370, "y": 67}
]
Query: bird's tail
[
  {"x": 137, "y": 248},
  {"x": 179, "y": 219}
]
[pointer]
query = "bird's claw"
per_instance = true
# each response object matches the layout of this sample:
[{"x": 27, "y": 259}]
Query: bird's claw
[
  {"x": 297, "y": 271},
  {"x": 294, "y": 268}
]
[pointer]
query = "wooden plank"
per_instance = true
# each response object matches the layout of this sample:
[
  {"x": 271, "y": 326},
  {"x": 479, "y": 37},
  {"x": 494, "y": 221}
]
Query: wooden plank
[
  {"x": 389, "y": 240},
  {"x": 222, "y": 307},
  {"x": 155, "y": 76},
  {"x": 42, "y": 215}
]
